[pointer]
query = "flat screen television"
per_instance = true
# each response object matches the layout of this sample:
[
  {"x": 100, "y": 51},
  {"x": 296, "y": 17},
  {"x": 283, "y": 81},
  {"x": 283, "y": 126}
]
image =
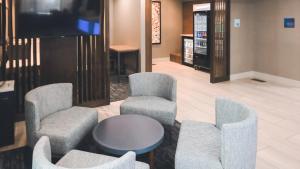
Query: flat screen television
[{"x": 55, "y": 18}]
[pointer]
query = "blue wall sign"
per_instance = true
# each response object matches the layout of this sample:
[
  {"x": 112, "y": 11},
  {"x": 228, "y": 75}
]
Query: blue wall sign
[{"x": 289, "y": 23}]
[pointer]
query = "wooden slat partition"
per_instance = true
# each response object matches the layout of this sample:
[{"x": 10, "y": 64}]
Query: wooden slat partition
[
  {"x": 23, "y": 69},
  {"x": 91, "y": 74},
  {"x": 91, "y": 87}
]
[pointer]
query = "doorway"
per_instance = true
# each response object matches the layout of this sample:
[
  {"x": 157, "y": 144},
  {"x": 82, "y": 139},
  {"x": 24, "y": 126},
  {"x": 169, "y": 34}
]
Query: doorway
[{"x": 218, "y": 44}]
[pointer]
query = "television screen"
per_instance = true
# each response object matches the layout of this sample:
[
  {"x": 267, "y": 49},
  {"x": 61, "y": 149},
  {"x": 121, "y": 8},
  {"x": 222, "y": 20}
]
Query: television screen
[{"x": 44, "y": 18}]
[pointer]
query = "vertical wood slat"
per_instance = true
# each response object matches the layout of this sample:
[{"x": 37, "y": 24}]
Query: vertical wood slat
[
  {"x": 17, "y": 74},
  {"x": 107, "y": 45},
  {"x": 28, "y": 56},
  {"x": 97, "y": 69},
  {"x": 94, "y": 82},
  {"x": 84, "y": 69},
  {"x": 89, "y": 69},
  {"x": 79, "y": 76},
  {"x": 35, "y": 65},
  {"x": 23, "y": 74},
  {"x": 3, "y": 21},
  {"x": 3, "y": 36},
  {"x": 98, "y": 53},
  {"x": 102, "y": 51},
  {"x": 10, "y": 38}
]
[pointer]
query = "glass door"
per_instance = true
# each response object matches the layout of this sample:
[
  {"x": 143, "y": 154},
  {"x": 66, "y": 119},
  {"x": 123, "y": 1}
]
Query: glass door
[
  {"x": 188, "y": 51},
  {"x": 200, "y": 33}
]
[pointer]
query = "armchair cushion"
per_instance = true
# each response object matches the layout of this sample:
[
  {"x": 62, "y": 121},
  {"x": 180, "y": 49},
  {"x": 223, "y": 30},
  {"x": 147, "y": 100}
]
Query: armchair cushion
[
  {"x": 66, "y": 128},
  {"x": 199, "y": 146},
  {"x": 80, "y": 159},
  {"x": 158, "y": 108}
]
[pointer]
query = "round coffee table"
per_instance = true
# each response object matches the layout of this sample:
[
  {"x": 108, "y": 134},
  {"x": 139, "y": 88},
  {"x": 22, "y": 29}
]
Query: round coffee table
[{"x": 120, "y": 134}]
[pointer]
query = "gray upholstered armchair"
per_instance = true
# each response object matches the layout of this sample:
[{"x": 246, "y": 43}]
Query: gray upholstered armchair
[
  {"x": 153, "y": 95},
  {"x": 49, "y": 112},
  {"x": 80, "y": 159},
  {"x": 230, "y": 144}
]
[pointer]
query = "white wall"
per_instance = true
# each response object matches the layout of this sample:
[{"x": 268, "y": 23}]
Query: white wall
[
  {"x": 262, "y": 43},
  {"x": 127, "y": 20},
  {"x": 277, "y": 49},
  {"x": 171, "y": 28},
  {"x": 242, "y": 39}
]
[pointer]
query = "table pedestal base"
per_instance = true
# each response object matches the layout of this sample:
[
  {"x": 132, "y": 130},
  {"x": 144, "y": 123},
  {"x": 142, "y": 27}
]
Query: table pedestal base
[{"x": 151, "y": 159}]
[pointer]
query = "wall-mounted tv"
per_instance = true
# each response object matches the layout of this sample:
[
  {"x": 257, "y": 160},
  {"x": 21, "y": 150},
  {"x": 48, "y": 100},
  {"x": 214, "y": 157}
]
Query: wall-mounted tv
[{"x": 55, "y": 18}]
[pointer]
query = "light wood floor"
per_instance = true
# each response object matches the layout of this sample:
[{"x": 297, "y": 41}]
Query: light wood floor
[{"x": 278, "y": 108}]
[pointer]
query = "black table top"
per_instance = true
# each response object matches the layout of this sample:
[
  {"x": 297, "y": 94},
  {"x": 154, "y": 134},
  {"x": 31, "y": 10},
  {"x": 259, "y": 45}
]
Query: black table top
[{"x": 120, "y": 134}]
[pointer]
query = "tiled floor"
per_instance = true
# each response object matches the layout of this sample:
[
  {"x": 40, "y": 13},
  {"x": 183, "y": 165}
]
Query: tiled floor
[{"x": 278, "y": 108}]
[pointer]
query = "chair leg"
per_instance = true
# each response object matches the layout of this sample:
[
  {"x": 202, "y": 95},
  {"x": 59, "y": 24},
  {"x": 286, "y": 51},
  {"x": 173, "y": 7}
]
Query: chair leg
[
  {"x": 168, "y": 133},
  {"x": 28, "y": 157},
  {"x": 56, "y": 157}
]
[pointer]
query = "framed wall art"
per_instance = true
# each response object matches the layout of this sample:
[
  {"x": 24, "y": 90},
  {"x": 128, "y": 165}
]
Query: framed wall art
[{"x": 156, "y": 22}]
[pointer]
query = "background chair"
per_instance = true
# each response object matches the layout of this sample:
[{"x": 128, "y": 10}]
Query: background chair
[
  {"x": 230, "y": 144},
  {"x": 80, "y": 159},
  {"x": 49, "y": 112},
  {"x": 153, "y": 95}
]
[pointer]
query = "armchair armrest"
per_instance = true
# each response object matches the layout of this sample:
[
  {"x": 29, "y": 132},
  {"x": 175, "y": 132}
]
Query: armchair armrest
[
  {"x": 228, "y": 111},
  {"x": 239, "y": 144},
  {"x": 32, "y": 119},
  {"x": 238, "y": 125}
]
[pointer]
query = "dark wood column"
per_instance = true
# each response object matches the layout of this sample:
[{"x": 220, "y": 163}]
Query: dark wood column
[
  {"x": 220, "y": 41},
  {"x": 148, "y": 39}
]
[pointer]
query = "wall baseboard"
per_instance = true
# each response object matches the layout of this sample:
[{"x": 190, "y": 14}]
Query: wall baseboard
[
  {"x": 277, "y": 79},
  {"x": 243, "y": 75},
  {"x": 265, "y": 77},
  {"x": 162, "y": 59}
]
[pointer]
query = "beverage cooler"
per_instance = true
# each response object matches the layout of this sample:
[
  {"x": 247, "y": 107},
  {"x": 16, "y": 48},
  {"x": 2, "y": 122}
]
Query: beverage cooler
[
  {"x": 202, "y": 59},
  {"x": 188, "y": 49}
]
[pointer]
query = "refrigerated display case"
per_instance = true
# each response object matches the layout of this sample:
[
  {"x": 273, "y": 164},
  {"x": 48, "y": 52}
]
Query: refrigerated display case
[
  {"x": 202, "y": 58},
  {"x": 188, "y": 50}
]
